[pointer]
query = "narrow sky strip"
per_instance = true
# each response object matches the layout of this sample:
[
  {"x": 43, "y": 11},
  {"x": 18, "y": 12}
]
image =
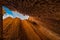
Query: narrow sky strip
[
  {"x": 8, "y": 11},
  {"x": 13, "y": 14}
]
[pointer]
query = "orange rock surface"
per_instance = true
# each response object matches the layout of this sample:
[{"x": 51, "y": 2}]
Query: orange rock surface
[{"x": 17, "y": 29}]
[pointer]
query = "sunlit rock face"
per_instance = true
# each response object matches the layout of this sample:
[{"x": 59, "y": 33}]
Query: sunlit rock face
[
  {"x": 52, "y": 24},
  {"x": 17, "y": 29}
]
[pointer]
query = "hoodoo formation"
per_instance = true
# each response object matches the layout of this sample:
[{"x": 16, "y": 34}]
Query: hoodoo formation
[{"x": 43, "y": 24}]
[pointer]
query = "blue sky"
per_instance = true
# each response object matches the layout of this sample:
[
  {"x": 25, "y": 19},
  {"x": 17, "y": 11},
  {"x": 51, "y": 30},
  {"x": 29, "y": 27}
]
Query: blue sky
[{"x": 13, "y": 14}]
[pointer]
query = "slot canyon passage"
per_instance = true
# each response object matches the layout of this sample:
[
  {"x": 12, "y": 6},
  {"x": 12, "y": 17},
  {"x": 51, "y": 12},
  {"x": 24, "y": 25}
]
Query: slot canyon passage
[{"x": 43, "y": 22}]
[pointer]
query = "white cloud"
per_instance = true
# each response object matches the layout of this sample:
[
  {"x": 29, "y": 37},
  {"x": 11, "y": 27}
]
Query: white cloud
[
  {"x": 16, "y": 14},
  {"x": 21, "y": 16},
  {"x": 5, "y": 16}
]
